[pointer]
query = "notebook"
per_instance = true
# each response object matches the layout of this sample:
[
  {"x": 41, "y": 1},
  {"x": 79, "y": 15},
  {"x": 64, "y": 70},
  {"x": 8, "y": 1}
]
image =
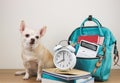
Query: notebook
[{"x": 92, "y": 38}]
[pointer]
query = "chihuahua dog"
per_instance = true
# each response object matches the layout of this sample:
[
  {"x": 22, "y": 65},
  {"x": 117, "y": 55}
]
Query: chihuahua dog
[{"x": 34, "y": 55}]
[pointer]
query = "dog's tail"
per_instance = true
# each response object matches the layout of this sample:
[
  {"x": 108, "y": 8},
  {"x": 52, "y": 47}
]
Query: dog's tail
[{"x": 20, "y": 73}]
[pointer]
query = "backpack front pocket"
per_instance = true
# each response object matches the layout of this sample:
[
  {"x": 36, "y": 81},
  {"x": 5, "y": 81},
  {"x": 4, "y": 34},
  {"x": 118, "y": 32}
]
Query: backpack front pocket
[{"x": 89, "y": 64}]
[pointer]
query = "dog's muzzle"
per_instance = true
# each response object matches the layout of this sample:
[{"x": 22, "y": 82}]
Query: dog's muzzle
[{"x": 32, "y": 41}]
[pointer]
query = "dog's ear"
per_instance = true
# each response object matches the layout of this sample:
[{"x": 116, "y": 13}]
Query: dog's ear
[
  {"x": 42, "y": 31},
  {"x": 22, "y": 26}
]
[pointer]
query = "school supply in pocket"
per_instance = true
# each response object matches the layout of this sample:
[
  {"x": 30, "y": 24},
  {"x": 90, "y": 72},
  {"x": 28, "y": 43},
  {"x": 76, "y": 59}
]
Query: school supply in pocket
[
  {"x": 87, "y": 49},
  {"x": 99, "y": 65},
  {"x": 94, "y": 39}
]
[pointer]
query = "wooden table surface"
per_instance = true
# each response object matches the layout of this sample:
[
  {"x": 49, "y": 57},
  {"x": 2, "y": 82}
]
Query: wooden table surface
[{"x": 7, "y": 76}]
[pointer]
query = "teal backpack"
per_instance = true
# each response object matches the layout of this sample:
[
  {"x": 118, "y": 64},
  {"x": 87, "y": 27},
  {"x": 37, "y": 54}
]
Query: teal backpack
[{"x": 99, "y": 66}]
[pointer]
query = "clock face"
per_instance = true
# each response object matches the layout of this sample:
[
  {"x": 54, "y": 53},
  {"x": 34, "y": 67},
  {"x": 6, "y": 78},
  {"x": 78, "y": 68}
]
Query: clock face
[{"x": 64, "y": 59}]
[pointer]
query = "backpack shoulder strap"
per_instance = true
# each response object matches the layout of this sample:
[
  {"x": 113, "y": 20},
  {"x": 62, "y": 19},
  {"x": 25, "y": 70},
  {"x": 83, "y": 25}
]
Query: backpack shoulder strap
[{"x": 116, "y": 55}]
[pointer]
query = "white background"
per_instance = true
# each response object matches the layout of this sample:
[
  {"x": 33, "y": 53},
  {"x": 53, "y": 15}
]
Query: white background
[{"x": 60, "y": 16}]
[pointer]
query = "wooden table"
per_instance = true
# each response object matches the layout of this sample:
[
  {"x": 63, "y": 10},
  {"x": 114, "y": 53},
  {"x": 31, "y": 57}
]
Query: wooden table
[{"x": 7, "y": 76}]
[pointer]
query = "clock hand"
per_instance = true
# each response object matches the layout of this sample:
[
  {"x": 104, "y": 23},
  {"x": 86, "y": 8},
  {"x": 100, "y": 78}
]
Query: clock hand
[
  {"x": 60, "y": 61},
  {"x": 63, "y": 56}
]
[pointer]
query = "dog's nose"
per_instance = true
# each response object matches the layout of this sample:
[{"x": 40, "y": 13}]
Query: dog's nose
[{"x": 32, "y": 41}]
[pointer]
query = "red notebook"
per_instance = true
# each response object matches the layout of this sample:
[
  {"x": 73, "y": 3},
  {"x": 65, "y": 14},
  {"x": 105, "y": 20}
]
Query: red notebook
[{"x": 94, "y": 39}]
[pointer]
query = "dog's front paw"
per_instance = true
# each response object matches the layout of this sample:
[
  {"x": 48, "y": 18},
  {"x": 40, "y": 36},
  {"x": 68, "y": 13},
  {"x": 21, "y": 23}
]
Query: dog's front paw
[
  {"x": 26, "y": 77},
  {"x": 39, "y": 78}
]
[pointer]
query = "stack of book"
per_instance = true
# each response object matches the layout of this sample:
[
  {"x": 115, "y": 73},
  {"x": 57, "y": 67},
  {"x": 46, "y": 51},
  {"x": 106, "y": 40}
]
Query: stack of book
[{"x": 71, "y": 76}]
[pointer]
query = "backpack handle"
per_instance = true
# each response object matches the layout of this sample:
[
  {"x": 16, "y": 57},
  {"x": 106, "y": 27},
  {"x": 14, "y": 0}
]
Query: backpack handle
[{"x": 90, "y": 18}]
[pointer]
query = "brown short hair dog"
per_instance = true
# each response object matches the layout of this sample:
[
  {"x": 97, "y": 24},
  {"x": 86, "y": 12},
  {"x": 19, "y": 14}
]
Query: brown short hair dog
[{"x": 34, "y": 55}]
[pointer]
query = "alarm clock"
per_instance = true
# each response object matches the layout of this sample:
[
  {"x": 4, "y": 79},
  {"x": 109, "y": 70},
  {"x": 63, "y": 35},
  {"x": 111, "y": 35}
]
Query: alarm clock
[{"x": 64, "y": 57}]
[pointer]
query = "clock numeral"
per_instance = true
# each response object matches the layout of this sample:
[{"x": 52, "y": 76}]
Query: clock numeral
[
  {"x": 58, "y": 55},
  {"x": 60, "y": 65},
  {"x": 67, "y": 65},
  {"x": 56, "y": 58},
  {"x": 68, "y": 62},
  {"x": 63, "y": 66}
]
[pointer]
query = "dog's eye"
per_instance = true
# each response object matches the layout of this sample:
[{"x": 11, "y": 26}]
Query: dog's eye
[
  {"x": 27, "y": 35},
  {"x": 37, "y": 37}
]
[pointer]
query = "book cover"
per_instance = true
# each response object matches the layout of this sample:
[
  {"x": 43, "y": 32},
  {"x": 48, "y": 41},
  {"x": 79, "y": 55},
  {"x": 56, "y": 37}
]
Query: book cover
[
  {"x": 47, "y": 80},
  {"x": 92, "y": 38}
]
